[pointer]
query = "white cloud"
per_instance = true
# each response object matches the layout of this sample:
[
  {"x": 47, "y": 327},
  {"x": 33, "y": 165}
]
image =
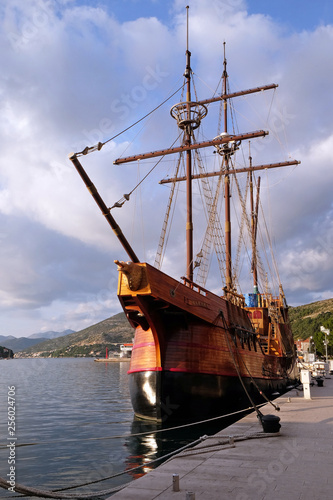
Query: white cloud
[{"x": 73, "y": 75}]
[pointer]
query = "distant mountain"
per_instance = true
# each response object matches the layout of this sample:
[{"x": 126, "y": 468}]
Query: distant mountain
[
  {"x": 4, "y": 338},
  {"x": 50, "y": 334},
  {"x": 91, "y": 341},
  {"x": 18, "y": 344},
  {"x": 21, "y": 343}
]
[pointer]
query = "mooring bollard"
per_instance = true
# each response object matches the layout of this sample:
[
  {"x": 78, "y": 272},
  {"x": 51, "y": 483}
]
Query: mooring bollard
[
  {"x": 270, "y": 423},
  {"x": 190, "y": 495},
  {"x": 175, "y": 482},
  {"x": 305, "y": 379}
]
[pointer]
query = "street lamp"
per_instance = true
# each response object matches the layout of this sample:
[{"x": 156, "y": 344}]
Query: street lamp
[{"x": 326, "y": 331}]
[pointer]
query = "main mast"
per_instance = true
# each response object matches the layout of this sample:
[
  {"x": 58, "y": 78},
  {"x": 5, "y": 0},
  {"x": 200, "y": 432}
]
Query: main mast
[
  {"x": 226, "y": 158},
  {"x": 187, "y": 141}
]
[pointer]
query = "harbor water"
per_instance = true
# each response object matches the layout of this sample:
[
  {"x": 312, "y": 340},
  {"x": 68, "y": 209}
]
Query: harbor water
[{"x": 74, "y": 424}]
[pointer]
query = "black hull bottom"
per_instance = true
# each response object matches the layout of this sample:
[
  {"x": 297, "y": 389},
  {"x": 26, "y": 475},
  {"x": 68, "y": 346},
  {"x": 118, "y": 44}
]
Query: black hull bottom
[{"x": 191, "y": 397}]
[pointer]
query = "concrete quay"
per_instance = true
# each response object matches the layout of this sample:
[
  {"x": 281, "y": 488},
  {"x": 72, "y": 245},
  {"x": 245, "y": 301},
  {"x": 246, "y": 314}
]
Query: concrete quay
[{"x": 295, "y": 463}]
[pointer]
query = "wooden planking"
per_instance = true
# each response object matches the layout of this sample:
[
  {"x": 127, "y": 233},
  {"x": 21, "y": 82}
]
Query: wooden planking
[
  {"x": 207, "y": 350},
  {"x": 201, "y": 351},
  {"x": 143, "y": 352},
  {"x": 201, "y": 348}
]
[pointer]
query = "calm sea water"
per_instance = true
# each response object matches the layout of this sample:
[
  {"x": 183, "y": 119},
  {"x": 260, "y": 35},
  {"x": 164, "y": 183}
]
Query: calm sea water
[{"x": 75, "y": 424}]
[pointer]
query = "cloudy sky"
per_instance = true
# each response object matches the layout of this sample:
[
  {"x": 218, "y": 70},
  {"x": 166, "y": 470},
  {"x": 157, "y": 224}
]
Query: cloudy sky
[{"x": 76, "y": 72}]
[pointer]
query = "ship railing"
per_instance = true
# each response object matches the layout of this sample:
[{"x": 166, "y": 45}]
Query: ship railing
[
  {"x": 269, "y": 300},
  {"x": 231, "y": 295},
  {"x": 234, "y": 297},
  {"x": 194, "y": 286}
]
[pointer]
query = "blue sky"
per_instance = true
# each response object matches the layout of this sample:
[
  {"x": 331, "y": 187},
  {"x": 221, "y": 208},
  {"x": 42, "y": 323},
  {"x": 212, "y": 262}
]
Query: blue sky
[
  {"x": 76, "y": 72},
  {"x": 294, "y": 14}
]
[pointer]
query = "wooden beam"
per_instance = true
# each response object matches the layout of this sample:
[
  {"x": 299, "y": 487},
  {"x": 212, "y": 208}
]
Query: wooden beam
[
  {"x": 214, "y": 142},
  {"x": 233, "y": 171}
]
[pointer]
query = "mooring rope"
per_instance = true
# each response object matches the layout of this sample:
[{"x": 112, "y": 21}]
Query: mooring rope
[
  {"x": 229, "y": 442},
  {"x": 137, "y": 434},
  {"x": 223, "y": 441},
  {"x": 28, "y": 491}
]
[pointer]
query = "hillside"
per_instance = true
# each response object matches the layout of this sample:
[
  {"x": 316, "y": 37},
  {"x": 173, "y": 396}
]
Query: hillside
[
  {"x": 5, "y": 352},
  {"x": 306, "y": 320},
  {"x": 91, "y": 341}
]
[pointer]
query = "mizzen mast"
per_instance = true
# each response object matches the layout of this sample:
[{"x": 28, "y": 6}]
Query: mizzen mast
[{"x": 254, "y": 227}]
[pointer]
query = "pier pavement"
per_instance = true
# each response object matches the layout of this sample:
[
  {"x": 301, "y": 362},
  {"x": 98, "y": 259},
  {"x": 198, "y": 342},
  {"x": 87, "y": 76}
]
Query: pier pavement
[{"x": 295, "y": 463}]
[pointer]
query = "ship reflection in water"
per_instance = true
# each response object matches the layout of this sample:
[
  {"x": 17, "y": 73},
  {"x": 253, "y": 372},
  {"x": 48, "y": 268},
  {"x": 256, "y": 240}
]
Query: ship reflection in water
[
  {"x": 150, "y": 441},
  {"x": 143, "y": 448}
]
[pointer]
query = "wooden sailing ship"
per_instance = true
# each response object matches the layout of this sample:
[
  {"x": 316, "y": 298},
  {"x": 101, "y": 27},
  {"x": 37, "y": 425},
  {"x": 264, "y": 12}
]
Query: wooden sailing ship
[{"x": 196, "y": 354}]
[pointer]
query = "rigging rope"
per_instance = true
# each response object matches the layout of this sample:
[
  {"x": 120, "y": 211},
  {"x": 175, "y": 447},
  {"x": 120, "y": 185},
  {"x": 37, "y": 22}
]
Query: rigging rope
[
  {"x": 213, "y": 231},
  {"x": 99, "y": 146},
  {"x": 269, "y": 240},
  {"x": 244, "y": 218},
  {"x": 240, "y": 377},
  {"x": 163, "y": 239},
  {"x": 126, "y": 197},
  {"x": 255, "y": 407},
  {"x": 161, "y": 244},
  {"x": 256, "y": 385},
  {"x": 214, "y": 92}
]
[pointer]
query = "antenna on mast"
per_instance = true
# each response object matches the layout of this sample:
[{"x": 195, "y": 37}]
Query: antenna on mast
[{"x": 187, "y": 30}]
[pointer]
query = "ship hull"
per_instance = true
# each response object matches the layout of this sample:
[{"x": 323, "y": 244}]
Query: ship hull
[
  {"x": 195, "y": 355},
  {"x": 193, "y": 397}
]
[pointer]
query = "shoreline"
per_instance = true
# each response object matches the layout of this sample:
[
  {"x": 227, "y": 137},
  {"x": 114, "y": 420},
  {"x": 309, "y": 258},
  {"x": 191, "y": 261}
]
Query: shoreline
[{"x": 111, "y": 360}]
